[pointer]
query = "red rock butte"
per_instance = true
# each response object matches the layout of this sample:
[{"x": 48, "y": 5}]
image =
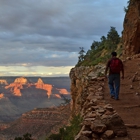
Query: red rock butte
[{"x": 22, "y": 82}]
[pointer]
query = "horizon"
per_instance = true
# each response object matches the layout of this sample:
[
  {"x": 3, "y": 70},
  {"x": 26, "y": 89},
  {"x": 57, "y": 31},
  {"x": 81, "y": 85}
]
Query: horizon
[{"x": 39, "y": 76}]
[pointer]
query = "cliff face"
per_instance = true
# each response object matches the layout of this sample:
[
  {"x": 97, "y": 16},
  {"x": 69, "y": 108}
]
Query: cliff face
[
  {"x": 19, "y": 95},
  {"x": 79, "y": 83},
  {"x": 22, "y": 83},
  {"x": 46, "y": 87},
  {"x": 38, "y": 122},
  {"x": 131, "y": 33},
  {"x": 100, "y": 120},
  {"x": 17, "y": 85},
  {"x": 2, "y": 81},
  {"x": 21, "y": 80}
]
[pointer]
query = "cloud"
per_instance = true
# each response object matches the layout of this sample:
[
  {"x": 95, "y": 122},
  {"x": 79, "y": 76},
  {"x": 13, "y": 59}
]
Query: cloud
[
  {"x": 34, "y": 71},
  {"x": 49, "y": 33}
]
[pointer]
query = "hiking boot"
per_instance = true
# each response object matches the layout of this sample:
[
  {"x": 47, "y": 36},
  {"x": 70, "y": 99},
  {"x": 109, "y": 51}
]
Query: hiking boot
[{"x": 112, "y": 97}]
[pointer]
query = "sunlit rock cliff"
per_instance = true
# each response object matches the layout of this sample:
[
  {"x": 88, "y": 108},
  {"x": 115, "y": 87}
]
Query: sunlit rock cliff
[
  {"x": 1, "y": 95},
  {"x": 18, "y": 95},
  {"x": 15, "y": 88},
  {"x": 21, "y": 80},
  {"x": 63, "y": 91},
  {"x": 22, "y": 83},
  {"x": 2, "y": 81},
  {"x": 46, "y": 87},
  {"x": 17, "y": 85},
  {"x": 131, "y": 32}
]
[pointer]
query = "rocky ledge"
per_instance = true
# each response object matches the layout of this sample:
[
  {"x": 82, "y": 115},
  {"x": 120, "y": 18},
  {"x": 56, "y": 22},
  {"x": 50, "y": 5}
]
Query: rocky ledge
[
  {"x": 38, "y": 122},
  {"x": 100, "y": 120}
]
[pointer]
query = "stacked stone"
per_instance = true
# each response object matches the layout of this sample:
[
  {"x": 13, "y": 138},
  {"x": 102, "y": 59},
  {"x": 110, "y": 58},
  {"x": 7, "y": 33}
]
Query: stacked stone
[{"x": 100, "y": 120}]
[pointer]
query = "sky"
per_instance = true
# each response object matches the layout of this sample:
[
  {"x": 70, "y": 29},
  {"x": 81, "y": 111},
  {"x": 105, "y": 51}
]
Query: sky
[{"x": 43, "y": 37}]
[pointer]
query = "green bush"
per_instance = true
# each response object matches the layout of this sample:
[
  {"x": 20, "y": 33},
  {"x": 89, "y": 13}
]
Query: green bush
[
  {"x": 27, "y": 136},
  {"x": 68, "y": 132},
  {"x": 96, "y": 54}
]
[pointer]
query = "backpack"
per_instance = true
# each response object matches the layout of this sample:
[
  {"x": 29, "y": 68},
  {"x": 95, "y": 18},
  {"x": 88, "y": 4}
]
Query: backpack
[{"x": 115, "y": 65}]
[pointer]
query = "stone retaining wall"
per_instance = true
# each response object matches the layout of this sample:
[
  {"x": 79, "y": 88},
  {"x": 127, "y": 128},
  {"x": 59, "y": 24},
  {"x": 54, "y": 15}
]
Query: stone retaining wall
[{"x": 100, "y": 120}]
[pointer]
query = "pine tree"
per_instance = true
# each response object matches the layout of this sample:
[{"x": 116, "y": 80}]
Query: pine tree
[
  {"x": 113, "y": 38},
  {"x": 81, "y": 54}
]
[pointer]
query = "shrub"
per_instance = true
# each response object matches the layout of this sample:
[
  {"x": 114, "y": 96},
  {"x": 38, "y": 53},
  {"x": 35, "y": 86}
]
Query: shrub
[
  {"x": 27, "y": 136},
  {"x": 68, "y": 132}
]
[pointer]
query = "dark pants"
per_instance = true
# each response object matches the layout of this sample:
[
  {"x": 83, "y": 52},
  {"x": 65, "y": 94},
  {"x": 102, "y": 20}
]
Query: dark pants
[{"x": 114, "y": 85}]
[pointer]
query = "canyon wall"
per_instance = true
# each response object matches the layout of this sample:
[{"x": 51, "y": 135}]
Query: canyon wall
[
  {"x": 20, "y": 94},
  {"x": 39, "y": 122},
  {"x": 22, "y": 83},
  {"x": 131, "y": 32},
  {"x": 100, "y": 120}
]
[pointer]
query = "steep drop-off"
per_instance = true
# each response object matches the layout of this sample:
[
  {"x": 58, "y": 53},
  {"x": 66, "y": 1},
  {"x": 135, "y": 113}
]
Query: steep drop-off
[
  {"x": 22, "y": 94},
  {"x": 38, "y": 122}
]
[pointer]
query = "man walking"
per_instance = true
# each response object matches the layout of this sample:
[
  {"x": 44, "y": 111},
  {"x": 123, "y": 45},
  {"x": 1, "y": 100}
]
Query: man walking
[{"x": 115, "y": 67}]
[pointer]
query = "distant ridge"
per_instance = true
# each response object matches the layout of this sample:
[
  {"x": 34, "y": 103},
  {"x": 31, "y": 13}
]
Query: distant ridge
[{"x": 21, "y": 94}]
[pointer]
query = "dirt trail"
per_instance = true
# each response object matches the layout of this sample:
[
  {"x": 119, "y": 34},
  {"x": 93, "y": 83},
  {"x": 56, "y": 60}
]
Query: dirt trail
[{"x": 128, "y": 107}]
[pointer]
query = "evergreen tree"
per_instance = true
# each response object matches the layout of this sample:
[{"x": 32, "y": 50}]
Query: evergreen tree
[
  {"x": 100, "y": 49},
  {"x": 27, "y": 136},
  {"x": 113, "y": 38},
  {"x": 95, "y": 45},
  {"x": 103, "y": 39},
  {"x": 126, "y": 8},
  {"x": 81, "y": 54},
  {"x": 103, "y": 42}
]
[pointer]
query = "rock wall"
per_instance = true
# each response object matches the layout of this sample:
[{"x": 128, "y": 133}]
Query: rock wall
[
  {"x": 100, "y": 120},
  {"x": 131, "y": 33}
]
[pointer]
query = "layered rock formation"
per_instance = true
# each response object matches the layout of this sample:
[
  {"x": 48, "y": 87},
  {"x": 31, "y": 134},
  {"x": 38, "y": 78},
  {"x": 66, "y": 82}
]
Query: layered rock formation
[
  {"x": 2, "y": 81},
  {"x": 24, "y": 94},
  {"x": 63, "y": 91},
  {"x": 131, "y": 33},
  {"x": 40, "y": 84},
  {"x": 100, "y": 120},
  {"x": 38, "y": 122},
  {"x": 17, "y": 85},
  {"x": 15, "y": 88},
  {"x": 1, "y": 95},
  {"x": 22, "y": 83},
  {"x": 21, "y": 80}
]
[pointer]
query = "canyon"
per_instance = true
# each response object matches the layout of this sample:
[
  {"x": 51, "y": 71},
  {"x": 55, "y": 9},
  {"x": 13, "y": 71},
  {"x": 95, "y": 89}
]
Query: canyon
[
  {"x": 20, "y": 94},
  {"x": 39, "y": 122},
  {"x": 103, "y": 118}
]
